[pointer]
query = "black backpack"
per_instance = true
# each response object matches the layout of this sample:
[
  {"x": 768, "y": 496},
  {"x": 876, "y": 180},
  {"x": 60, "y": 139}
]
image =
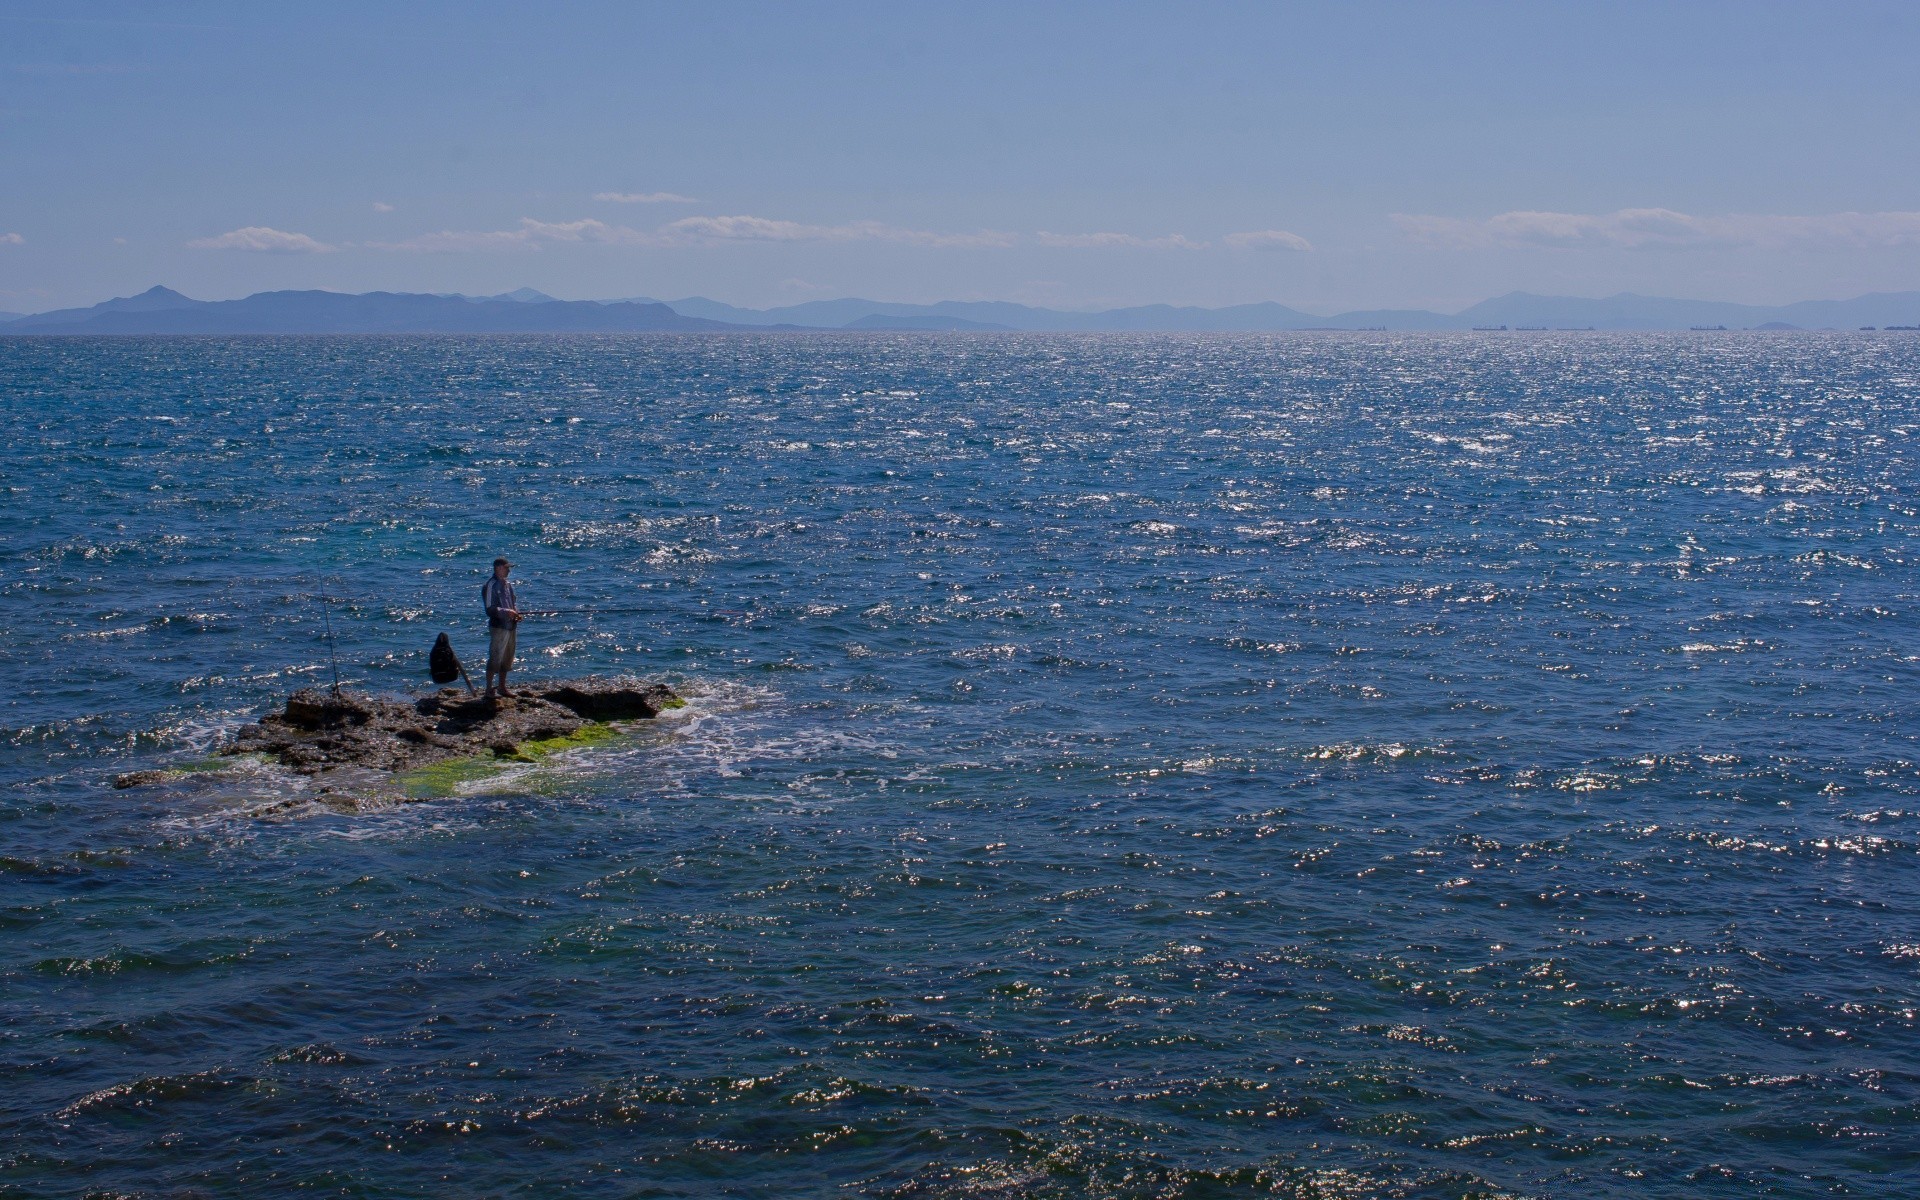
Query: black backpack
[{"x": 442, "y": 662}]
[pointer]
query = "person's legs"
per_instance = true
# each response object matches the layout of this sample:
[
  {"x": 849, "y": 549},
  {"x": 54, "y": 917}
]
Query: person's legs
[
  {"x": 506, "y": 657},
  {"x": 499, "y": 657}
]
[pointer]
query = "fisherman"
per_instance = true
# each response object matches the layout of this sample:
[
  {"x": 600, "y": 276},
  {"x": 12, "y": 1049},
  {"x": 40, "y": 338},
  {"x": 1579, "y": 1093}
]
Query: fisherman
[{"x": 503, "y": 623}]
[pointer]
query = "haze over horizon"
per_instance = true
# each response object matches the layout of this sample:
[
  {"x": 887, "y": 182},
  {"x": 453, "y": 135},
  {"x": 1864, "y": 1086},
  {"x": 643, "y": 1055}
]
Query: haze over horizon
[{"x": 1325, "y": 157}]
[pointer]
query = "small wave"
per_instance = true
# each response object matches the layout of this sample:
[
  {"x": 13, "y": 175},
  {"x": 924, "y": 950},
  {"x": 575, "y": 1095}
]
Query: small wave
[
  {"x": 319, "y": 1054},
  {"x": 122, "y": 962},
  {"x": 1585, "y": 781},
  {"x": 1860, "y": 844},
  {"x": 148, "y": 1092},
  {"x": 1376, "y": 752},
  {"x": 118, "y": 631}
]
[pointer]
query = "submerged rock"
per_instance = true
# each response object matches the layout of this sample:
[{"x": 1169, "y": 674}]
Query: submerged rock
[
  {"x": 134, "y": 779},
  {"x": 319, "y": 731}
]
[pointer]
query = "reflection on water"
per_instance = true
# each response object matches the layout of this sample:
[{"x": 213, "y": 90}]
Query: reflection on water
[{"x": 1323, "y": 766}]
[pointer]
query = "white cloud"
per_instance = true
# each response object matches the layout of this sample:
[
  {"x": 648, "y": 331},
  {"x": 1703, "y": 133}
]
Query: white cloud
[
  {"x": 1638, "y": 228},
  {"x": 530, "y": 235},
  {"x": 688, "y": 231},
  {"x": 753, "y": 229},
  {"x": 644, "y": 198},
  {"x": 260, "y": 239},
  {"x": 1267, "y": 239},
  {"x": 1172, "y": 241},
  {"x": 12, "y": 239},
  {"x": 764, "y": 229},
  {"x": 382, "y": 206}
]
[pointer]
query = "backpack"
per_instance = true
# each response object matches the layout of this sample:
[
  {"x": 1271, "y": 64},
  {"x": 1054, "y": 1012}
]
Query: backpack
[{"x": 442, "y": 663}]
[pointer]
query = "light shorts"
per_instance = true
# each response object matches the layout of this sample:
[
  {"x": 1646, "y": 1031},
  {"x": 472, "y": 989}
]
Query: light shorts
[{"x": 500, "y": 649}]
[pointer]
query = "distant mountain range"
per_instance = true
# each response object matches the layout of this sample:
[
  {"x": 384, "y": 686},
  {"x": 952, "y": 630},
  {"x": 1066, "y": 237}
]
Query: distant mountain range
[
  {"x": 161, "y": 310},
  {"x": 1514, "y": 310}
]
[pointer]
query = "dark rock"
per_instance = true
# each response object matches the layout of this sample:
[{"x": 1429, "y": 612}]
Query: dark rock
[
  {"x": 319, "y": 731},
  {"x": 312, "y": 708},
  {"x": 600, "y": 700},
  {"x": 134, "y": 779}
]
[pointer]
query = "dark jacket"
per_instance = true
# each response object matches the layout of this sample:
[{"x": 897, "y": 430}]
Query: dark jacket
[{"x": 497, "y": 594}]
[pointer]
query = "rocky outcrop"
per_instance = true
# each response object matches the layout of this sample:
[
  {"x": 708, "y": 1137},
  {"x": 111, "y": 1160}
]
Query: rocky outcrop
[{"x": 319, "y": 730}]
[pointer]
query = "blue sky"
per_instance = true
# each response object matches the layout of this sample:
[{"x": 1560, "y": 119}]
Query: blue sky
[{"x": 1323, "y": 155}]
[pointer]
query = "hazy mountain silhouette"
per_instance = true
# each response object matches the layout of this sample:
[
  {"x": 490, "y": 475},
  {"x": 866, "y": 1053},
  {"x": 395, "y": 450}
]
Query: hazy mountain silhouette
[
  {"x": 996, "y": 314},
  {"x": 524, "y": 310},
  {"x": 154, "y": 299},
  {"x": 161, "y": 310},
  {"x": 1624, "y": 311},
  {"x": 921, "y": 321}
]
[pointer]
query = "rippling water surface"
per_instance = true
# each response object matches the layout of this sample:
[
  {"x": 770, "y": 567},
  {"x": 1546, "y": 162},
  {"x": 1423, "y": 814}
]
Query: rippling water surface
[{"x": 1313, "y": 766}]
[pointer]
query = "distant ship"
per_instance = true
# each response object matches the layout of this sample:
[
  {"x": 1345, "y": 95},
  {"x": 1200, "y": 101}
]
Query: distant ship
[
  {"x": 1489, "y": 328},
  {"x": 1906, "y": 328},
  {"x": 1708, "y": 328},
  {"x": 1529, "y": 328}
]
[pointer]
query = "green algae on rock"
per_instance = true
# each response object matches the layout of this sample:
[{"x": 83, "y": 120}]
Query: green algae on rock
[
  {"x": 443, "y": 738},
  {"x": 586, "y": 735},
  {"x": 187, "y": 769},
  {"x": 445, "y": 777}
]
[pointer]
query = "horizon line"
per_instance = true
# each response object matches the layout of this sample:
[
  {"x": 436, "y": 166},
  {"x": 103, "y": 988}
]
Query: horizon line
[{"x": 505, "y": 298}]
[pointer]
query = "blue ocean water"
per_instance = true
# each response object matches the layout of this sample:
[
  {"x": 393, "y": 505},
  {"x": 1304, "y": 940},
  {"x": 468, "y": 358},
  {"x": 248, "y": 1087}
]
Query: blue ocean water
[{"x": 1325, "y": 766}]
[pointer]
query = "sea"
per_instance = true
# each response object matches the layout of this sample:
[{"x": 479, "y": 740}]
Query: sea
[{"x": 1322, "y": 766}]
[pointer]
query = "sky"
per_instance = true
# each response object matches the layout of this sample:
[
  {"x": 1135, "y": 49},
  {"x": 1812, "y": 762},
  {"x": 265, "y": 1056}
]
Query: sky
[{"x": 1327, "y": 156}]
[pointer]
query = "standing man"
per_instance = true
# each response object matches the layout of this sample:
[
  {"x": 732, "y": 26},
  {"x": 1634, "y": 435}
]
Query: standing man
[{"x": 503, "y": 624}]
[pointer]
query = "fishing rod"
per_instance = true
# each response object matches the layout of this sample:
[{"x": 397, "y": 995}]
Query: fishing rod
[
  {"x": 571, "y": 612},
  {"x": 326, "y": 614},
  {"x": 358, "y": 602}
]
